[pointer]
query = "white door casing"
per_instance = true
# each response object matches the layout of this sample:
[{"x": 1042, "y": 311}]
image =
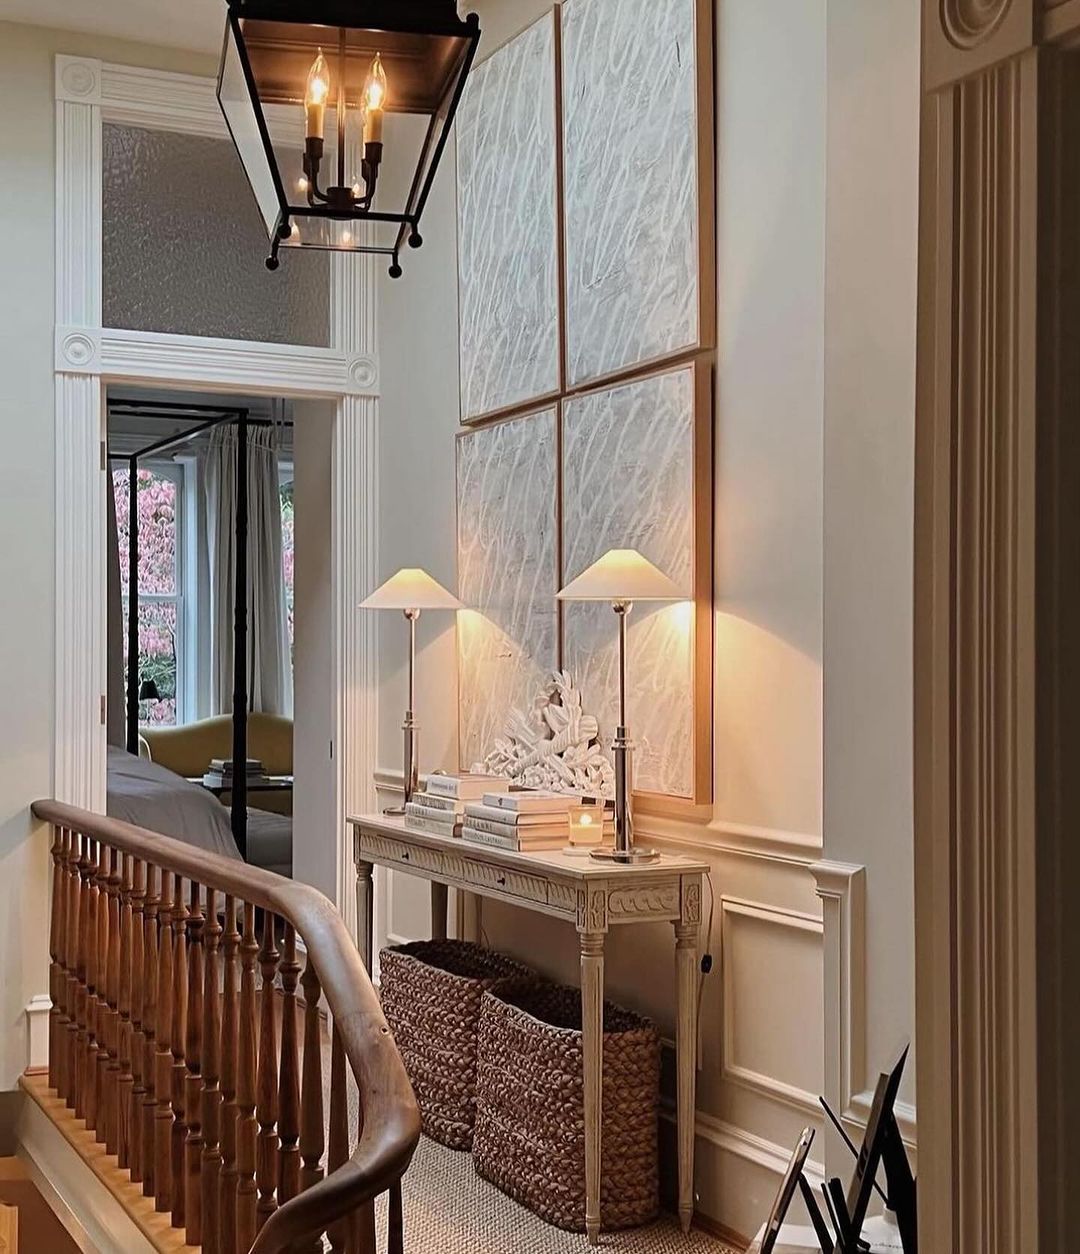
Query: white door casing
[{"x": 90, "y": 92}]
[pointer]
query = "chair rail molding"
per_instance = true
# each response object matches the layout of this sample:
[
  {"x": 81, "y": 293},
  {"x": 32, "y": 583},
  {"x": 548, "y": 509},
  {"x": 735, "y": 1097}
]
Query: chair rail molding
[{"x": 88, "y": 93}]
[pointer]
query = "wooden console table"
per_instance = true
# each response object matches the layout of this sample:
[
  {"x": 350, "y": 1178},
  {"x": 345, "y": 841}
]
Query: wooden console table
[{"x": 593, "y": 896}]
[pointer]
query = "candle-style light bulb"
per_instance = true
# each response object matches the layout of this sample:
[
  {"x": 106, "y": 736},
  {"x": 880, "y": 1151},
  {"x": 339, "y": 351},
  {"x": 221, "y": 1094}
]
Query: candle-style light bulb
[
  {"x": 374, "y": 101},
  {"x": 316, "y": 95}
]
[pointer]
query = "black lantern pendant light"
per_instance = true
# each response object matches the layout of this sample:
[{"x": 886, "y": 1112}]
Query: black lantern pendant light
[{"x": 319, "y": 95}]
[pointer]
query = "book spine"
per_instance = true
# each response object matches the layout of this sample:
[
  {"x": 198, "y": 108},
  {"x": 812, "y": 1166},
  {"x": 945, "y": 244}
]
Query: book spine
[
  {"x": 478, "y": 837},
  {"x": 433, "y": 826},
  {"x": 517, "y": 832},
  {"x": 448, "y": 805},
  {"x": 500, "y": 814},
  {"x": 423, "y": 811},
  {"x": 442, "y": 786}
]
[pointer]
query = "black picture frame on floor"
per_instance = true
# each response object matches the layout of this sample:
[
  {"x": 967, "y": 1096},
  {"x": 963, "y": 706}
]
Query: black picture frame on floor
[{"x": 793, "y": 1178}]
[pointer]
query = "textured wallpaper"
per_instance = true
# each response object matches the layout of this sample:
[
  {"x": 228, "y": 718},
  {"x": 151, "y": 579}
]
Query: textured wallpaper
[
  {"x": 507, "y": 573},
  {"x": 630, "y": 154},
  {"x": 628, "y": 483},
  {"x": 183, "y": 246},
  {"x": 508, "y": 232}
]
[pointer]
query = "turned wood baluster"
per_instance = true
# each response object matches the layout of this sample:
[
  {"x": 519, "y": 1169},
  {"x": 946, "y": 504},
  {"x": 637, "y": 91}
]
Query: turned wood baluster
[
  {"x": 312, "y": 1142},
  {"x": 163, "y": 1115},
  {"x": 79, "y": 1043},
  {"x": 210, "y": 1178},
  {"x": 289, "y": 1076},
  {"x": 229, "y": 1052},
  {"x": 61, "y": 1055},
  {"x": 101, "y": 1059},
  {"x": 125, "y": 1079},
  {"x": 112, "y": 987},
  {"x": 179, "y": 1039},
  {"x": 395, "y": 1238},
  {"x": 267, "y": 1109},
  {"x": 137, "y": 1048},
  {"x": 362, "y": 1239},
  {"x": 82, "y": 1004},
  {"x": 57, "y": 1016},
  {"x": 69, "y": 955},
  {"x": 149, "y": 1025},
  {"x": 338, "y": 1150},
  {"x": 245, "y": 1089},
  {"x": 69, "y": 1044},
  {"x": 65, "y": 976},
  {"x": 193, "y": 1140}
]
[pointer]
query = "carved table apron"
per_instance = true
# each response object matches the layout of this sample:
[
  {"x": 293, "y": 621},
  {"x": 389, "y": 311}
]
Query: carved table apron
[{"x": 593, "y": 896}]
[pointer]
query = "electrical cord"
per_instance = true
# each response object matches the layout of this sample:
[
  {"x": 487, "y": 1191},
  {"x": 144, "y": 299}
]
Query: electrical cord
[{"x": 706, "y": 965}]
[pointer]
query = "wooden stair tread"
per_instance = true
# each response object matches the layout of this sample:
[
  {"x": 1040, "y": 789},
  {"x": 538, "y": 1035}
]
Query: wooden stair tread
[{"x": 154, "y": 1225}]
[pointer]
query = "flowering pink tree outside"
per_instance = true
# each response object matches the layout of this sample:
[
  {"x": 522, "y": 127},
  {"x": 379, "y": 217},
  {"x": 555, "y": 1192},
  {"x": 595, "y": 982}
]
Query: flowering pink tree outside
[
  {"x": 156, "y": 506},
  {"x": 158, "y": 578}
]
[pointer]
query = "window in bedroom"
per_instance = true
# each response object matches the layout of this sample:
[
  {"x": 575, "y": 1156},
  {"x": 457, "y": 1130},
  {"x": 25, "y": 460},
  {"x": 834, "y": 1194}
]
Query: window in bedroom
[{"x": 161, "y": 620}]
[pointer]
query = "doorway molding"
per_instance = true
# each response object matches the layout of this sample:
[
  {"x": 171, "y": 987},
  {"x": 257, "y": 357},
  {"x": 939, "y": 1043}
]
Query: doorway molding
[
  {"x": 88, "y": 356},
  {"x": 997, "y": 626}
]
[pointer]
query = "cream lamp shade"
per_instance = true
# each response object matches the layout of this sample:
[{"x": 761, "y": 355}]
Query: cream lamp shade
[
  {"x": 411, "y": 589},
  {"x": 621, "y": 575}
]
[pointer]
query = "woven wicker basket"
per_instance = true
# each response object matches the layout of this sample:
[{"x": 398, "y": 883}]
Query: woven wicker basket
[
  {"x": 431, "y": 994},
  {"x": 530, "y": 1124}
]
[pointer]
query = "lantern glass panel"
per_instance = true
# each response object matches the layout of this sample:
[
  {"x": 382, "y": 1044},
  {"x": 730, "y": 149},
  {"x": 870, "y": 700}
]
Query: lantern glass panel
[{"x": 243, "y": 124}]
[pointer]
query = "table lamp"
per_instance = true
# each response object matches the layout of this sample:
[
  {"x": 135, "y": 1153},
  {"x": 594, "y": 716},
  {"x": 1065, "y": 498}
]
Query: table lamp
[
  {"x": 410, "y": 590},
  {"x": 622, "y": 576}
]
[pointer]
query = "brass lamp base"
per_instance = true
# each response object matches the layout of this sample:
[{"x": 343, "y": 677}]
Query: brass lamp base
[
  {"x": 634, "y": 854},
  {"x": 394, "y": 812}
]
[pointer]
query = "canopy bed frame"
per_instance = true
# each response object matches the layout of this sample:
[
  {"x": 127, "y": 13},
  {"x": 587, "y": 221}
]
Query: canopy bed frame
[{"x": 204, "y": 418}]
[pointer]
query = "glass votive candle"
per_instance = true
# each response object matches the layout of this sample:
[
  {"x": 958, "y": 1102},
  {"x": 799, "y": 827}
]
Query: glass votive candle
[{"x": 586, "y": 826}]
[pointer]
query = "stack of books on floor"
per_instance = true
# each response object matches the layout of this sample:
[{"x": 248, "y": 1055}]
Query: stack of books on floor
[
  {"x": 527, "y": 821},
  {"x": 440, "y": 808},
  {"x": 220, "y": 773}
]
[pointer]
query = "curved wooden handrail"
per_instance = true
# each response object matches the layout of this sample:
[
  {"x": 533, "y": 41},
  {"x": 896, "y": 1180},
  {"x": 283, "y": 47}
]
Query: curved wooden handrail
[{"x": 391, "y": 1119}]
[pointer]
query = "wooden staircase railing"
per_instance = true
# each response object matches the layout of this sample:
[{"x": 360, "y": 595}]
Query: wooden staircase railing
[{"x": 165, "y": 1041}]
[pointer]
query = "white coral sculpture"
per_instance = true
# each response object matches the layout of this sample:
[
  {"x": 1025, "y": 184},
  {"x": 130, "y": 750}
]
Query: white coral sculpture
[{"x": 555, "y": 745}]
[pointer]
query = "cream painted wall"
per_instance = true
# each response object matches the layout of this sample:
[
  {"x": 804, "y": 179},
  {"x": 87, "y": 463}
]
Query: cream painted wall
[
  {"x": 765, "y": 828},
  {"x": 314, "y": 860},
  {"x": 871, "y": 249},
  {"x": 27, "y": 495}
]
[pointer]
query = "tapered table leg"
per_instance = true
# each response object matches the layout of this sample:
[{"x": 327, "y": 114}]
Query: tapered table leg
[
  {"x": 592, "y": 1024},
  {"x": 686, "y": 973},
  {"x": 364, "y": 907},
  {"x": 438, "y": 911}
]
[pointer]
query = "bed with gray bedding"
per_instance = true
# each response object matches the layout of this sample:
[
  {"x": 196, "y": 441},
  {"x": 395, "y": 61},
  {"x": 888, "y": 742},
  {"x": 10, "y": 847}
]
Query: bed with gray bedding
[{"x": 142, "y": 792}]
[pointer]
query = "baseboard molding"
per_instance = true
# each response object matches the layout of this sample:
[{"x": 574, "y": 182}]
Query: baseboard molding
[
  {"x": 82, "y": 1184},
  {"x": 729, "y": 1237}
]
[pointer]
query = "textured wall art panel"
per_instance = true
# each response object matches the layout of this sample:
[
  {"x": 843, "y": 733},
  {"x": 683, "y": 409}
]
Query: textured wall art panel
[
  {"x": 508, "y": 226},
  {"x": 627, "y": 465},
  {"x": 631, "y": 183},
  {"x": 507, "y": 573}
]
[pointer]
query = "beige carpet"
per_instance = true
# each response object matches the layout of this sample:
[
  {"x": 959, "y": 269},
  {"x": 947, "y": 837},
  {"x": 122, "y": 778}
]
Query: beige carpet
[{"x": 450, "y": 1210}]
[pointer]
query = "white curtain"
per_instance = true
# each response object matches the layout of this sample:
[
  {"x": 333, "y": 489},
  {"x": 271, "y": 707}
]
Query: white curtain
[
  {"x": 269, "y": 665},
  {"x": 116, "y": 701}
]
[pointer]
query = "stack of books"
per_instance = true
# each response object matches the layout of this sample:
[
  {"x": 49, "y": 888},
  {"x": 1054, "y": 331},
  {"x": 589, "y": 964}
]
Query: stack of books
[
  {"x": 440, "y": 808},
  {"x": 221, "y": 773},
  {"x": 527, "y": 821}
]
